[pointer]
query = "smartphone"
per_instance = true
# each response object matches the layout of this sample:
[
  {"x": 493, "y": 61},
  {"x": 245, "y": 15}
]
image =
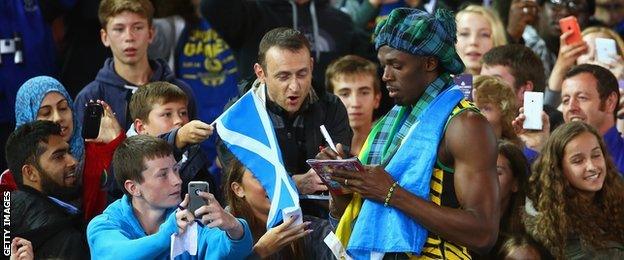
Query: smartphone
[
  {"x": 464, "y": 81},
  {"x": 605, "y": 50},
  {"x": 91, "y": 120},
  {"x": 571, "y": 24},
  {"x": 533, "y": 106},
  {"x": 196, "y": 201},
  {"x": 294, "y": 212}
]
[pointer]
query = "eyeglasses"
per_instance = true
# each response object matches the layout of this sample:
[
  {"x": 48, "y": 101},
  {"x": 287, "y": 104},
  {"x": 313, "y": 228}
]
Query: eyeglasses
[{"x": 572, "y": 6}]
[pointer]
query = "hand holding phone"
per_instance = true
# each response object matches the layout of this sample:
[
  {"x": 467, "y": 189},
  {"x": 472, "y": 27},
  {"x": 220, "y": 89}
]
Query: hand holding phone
[
  {"x": 605, "y": 50},
  {"x": 294, "y": 212},
  {"x": 570, "y": 24},
  {"x": 533, "y": 106},
  {"x": 196, "y": 201},
  {"x": 91, "y": 121}
]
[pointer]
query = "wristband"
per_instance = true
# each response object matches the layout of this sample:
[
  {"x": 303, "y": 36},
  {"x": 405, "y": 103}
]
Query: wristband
[{"x": 390, "y": 192}]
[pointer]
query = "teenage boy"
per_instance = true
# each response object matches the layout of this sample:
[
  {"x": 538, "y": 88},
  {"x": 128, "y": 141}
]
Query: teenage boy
[
  {"x": 159, "y": 109},
  {"x": 354, "y": 80},
  {"x": 140, "y": 224},
  {"x": 127, "y": 30}
]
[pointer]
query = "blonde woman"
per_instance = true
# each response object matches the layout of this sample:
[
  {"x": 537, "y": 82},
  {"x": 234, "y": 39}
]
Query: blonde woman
[
  {"x": 479, "y": 29},
  {"x": 616, "y": 66}
]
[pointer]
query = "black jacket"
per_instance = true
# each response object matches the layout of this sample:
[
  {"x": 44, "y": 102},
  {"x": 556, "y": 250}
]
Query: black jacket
[
  {"x": 53, "y": 232},
  {"x": 299, "y": 144},
  {"x": 242, "y": 24}
]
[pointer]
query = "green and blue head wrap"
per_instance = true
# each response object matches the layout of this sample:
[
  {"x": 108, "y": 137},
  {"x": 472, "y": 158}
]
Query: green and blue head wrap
[{"x": 419, "y": 33}]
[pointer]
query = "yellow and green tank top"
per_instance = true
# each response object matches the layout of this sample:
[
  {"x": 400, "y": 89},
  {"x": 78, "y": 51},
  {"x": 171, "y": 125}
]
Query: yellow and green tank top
[{"x": 442, "y": 192}]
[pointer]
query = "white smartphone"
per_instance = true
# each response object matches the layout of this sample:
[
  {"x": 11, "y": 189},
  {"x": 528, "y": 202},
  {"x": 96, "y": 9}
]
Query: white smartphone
[
  {"x": 605, "y": 50},
  {"x": 196, "y": 201},
  {"x": 533, "y": 106},
  {"x": 295, "y": 212}
]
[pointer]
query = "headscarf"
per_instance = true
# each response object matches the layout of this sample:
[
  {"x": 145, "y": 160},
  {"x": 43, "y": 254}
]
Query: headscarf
[
  {"x": 422, "y": 34},
  {"x": 29, "y": 98}
]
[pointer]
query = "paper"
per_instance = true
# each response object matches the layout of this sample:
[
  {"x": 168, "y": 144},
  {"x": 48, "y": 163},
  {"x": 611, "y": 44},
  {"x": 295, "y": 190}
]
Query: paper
[
  {"x": 331, "y": 240},
  {"x": 185, "y": 242},
  {"x": 323, "y": 169}
]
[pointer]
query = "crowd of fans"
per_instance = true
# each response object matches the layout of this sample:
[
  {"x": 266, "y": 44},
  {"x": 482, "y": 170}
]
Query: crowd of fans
[{"x": 447, "y": 174}]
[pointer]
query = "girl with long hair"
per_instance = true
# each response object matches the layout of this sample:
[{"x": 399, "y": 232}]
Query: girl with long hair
[
  {"x": 513, "y": 173},
  {"x": 247, "y": 199},
  {"x": 576, "y": 207}
]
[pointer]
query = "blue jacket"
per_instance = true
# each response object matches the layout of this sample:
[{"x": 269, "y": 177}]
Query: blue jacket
[
  {"x": 615, "y": 144},
  {"x": 117, "y": 234},
  {"x": 110, "y": 87}
]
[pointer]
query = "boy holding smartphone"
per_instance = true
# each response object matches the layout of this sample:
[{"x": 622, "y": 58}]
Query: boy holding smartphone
[
  {"x": 159, "y": 109},
  {"x": 140, "y": 224}
]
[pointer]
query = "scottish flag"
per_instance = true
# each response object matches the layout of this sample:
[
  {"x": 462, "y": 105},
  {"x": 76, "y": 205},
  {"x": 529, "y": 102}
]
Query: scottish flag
[{"x": 246, "y": 130}]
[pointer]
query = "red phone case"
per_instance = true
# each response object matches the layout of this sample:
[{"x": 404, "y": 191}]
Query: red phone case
[{"x": 571, "y": 24}]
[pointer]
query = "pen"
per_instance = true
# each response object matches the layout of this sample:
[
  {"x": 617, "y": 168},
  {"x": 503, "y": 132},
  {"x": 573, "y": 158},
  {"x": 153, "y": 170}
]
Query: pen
[{"x": 328, "y": 138}]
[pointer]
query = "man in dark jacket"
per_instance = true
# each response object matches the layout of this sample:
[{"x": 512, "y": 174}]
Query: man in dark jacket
[
  {"x": 127, "y": 30},
  {"x": 44, "y": 171},
  {"x": 243, "y": 23},
  {"x": 296, "y": 110}
]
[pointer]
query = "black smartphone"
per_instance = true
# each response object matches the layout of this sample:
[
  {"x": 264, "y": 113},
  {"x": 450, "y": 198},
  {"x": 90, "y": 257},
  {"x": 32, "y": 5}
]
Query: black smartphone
[
  {"x": 196, "y": 201},
  {"x": 91, "y": 121}
]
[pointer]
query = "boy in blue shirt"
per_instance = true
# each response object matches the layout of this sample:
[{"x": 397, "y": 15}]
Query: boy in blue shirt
[{"x": 140, "y": 224}]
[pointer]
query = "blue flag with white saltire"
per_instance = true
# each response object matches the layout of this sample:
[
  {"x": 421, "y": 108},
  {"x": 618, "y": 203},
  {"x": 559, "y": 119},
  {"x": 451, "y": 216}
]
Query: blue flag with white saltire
[{"x": 247, "y": 131}]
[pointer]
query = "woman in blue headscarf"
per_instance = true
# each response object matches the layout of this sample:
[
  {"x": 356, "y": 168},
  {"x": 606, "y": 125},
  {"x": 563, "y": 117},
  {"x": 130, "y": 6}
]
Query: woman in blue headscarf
[{"x": 44, "y": 98}]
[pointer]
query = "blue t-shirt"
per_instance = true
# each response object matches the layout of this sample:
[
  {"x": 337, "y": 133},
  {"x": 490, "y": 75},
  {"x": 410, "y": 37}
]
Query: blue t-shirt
[
  {"x": 207, "y": 64},
  {"x": 615, "y": 144}
]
